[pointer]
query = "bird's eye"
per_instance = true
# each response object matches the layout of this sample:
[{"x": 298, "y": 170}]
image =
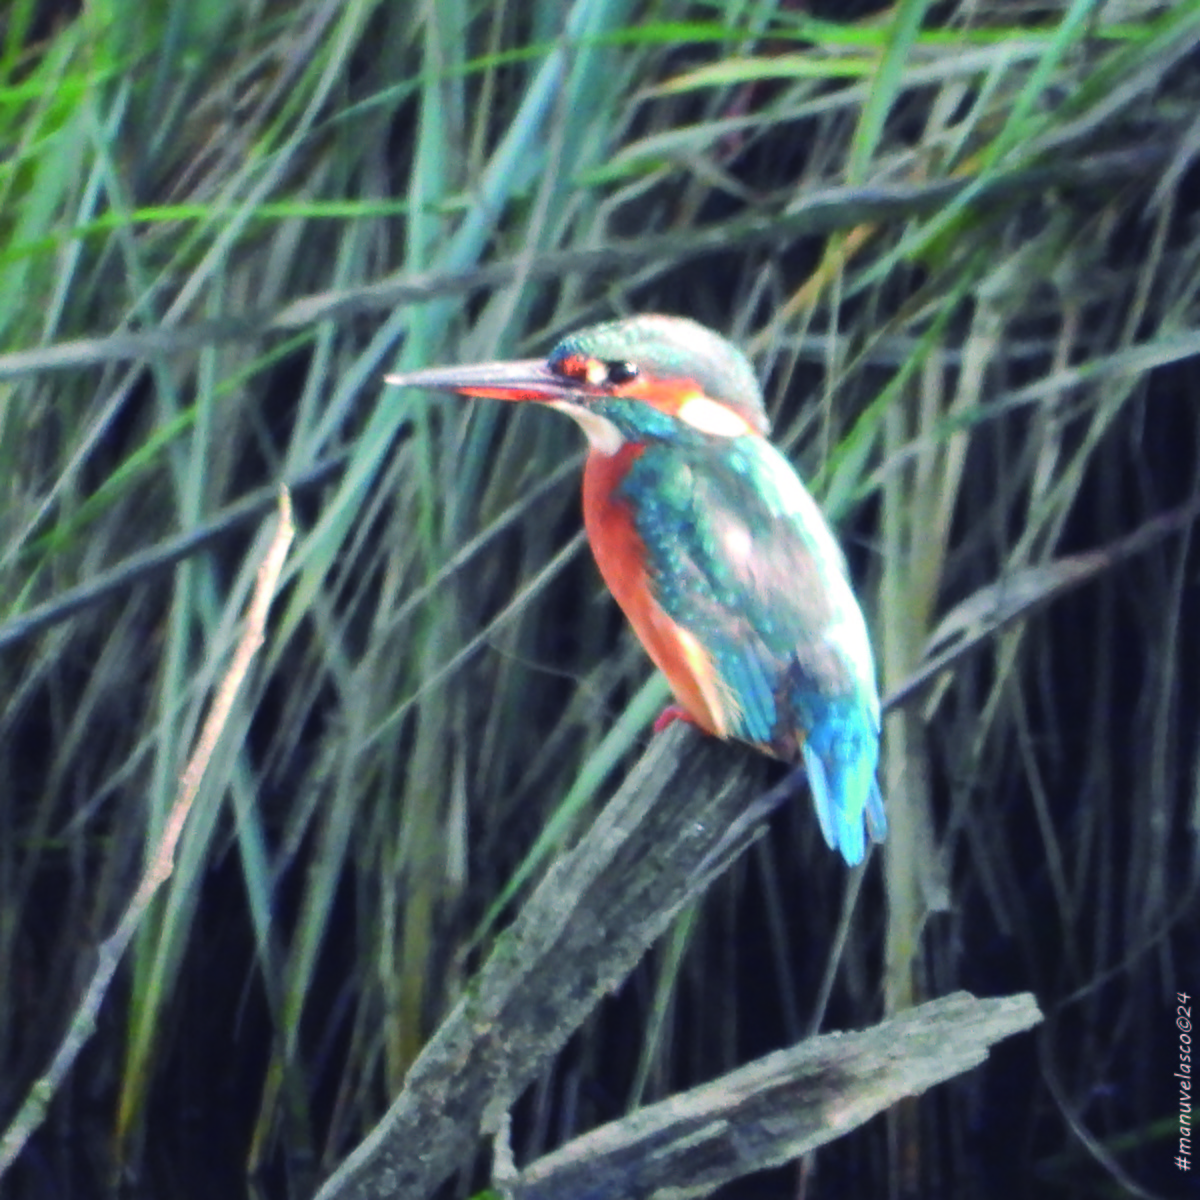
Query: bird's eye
[
  {"x": 621, "y": 372},
  {"x": 596, "y": 372}
]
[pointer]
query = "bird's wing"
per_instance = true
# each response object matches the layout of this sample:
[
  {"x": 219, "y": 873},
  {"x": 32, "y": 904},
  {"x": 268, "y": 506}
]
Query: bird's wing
[{"x": 739, "y": 555}]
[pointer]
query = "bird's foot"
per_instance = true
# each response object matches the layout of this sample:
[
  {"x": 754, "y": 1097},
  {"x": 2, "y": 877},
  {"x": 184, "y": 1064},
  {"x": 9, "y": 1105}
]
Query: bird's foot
[{"x": 671, "y": 714}]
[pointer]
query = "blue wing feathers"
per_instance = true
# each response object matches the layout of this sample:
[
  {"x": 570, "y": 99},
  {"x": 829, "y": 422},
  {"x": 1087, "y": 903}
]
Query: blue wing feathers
[
  {"x": 754, "y": 688},
  {"x": 740, "y": 557}
]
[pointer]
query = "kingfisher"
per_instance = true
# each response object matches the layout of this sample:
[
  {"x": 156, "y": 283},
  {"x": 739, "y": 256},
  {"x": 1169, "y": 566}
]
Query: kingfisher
[{"x": 713, "y": 548}]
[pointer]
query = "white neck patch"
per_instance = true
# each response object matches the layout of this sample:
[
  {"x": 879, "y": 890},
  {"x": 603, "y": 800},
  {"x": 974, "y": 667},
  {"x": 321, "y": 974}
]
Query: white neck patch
[{"x": 710, "y": 417}]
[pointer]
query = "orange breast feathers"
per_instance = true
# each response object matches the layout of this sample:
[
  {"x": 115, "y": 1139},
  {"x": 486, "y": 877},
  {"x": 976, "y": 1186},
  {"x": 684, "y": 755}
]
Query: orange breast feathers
[{"x": 621, "y": 557}]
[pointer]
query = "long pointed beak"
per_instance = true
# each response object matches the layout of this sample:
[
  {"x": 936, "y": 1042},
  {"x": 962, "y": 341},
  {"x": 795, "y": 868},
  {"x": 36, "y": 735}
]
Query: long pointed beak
[{"x": 527, "y": 380}]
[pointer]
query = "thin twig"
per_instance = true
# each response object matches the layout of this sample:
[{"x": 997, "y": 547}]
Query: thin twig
[{"x": 158, "y": 870}]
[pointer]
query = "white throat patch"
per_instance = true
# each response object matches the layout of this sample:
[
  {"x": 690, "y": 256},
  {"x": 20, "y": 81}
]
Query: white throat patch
[{"x": 602, "y": 435}]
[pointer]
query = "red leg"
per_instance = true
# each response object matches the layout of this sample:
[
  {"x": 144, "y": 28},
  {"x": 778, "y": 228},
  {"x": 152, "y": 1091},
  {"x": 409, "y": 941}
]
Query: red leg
[{"x": 671, "y": 714}]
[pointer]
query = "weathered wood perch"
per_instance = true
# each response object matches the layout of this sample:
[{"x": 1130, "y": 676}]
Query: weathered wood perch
[
  {"x": 675, "y": 822},
  {"x": 777, "y": 1108}
]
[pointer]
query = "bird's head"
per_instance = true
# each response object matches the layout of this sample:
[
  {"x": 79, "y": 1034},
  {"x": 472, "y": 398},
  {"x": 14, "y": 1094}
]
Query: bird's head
[{"x": 648, "y": 378}]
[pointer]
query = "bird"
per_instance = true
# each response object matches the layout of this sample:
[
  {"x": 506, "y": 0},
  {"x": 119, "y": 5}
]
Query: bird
[{"x": 716, "y": 552}]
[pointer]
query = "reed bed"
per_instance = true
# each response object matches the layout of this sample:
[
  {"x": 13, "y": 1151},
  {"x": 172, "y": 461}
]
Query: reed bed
[{"x": 960, "y": 242}]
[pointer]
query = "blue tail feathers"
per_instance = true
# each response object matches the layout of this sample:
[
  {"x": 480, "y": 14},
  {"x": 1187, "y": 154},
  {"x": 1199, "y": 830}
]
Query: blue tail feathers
[{"x": 840, "y": 753}]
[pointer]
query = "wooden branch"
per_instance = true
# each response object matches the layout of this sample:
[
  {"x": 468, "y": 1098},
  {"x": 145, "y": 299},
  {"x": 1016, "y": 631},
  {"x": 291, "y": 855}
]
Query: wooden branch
[
  {"x": 654, "y": 847},
  {"x": 688, "y": 808},
  {"x": 776, "y": 1109}
]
